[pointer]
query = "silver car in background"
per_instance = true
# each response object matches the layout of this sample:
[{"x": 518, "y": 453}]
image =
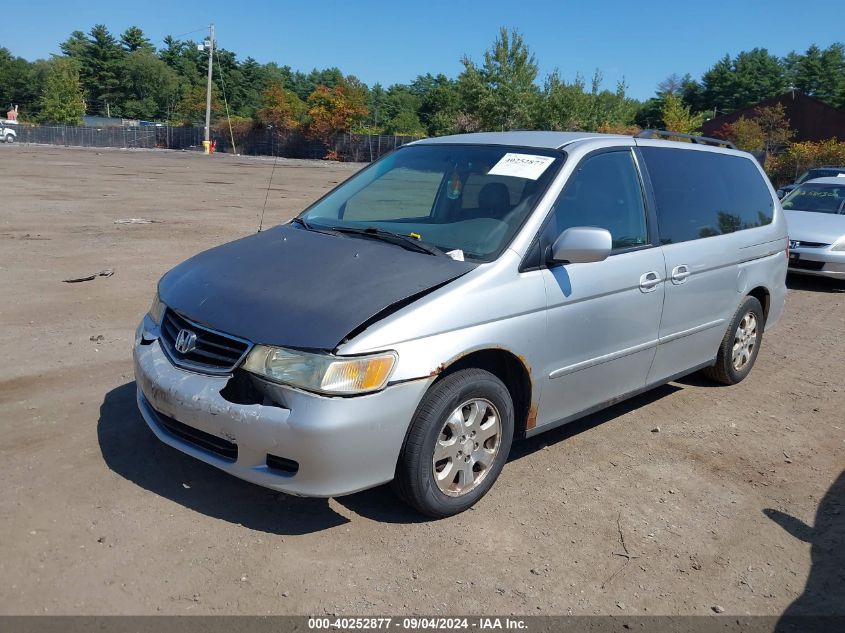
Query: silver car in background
[
  {"x": 811, "y": 174},
  {"x": 815, "y": 216},
  {"x": 457, "y": 294}
]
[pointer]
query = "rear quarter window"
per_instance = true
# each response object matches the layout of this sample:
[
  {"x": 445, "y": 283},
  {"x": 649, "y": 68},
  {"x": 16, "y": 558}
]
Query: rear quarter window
[{"x": 701, "y": 194}]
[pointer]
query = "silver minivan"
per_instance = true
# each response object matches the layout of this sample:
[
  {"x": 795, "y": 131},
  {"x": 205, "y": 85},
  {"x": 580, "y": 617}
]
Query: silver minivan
[{"x": 457, "y": 294}]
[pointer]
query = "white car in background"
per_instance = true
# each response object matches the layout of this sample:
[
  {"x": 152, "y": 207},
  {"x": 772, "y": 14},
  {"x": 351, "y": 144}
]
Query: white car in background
[{"x": 7, "y": 132}]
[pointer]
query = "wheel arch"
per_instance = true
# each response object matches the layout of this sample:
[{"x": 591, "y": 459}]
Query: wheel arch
[
  {"x": 513, "y": 371},
  {"x": 761, "y": 293}
]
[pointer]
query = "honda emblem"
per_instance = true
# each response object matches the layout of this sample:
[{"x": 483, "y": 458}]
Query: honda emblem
[{"x": 186, "y": 342}]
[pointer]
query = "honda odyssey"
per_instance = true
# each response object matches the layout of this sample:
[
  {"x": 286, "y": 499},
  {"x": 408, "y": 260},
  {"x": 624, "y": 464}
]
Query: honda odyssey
[{"x": 457, "y": 294}]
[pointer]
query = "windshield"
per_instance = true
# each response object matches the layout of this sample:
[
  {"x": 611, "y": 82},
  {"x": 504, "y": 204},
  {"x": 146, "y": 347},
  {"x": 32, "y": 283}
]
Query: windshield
[
  {"x": 468, "y": 200},
  {"x": 816, "y": 197}
]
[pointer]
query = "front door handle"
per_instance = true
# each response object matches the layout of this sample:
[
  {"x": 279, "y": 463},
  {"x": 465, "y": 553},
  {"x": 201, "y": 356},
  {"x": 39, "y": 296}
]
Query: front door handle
[
  {"x": 680, "y": 274},
  {"x": 649, "y": 281}
]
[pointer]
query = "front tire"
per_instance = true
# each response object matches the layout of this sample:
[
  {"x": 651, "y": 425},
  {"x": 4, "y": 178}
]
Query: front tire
[
  {"x": 739, "y": 348},
  {"x": 10, "y": 138},
  {"x": 457, "y": 444}
]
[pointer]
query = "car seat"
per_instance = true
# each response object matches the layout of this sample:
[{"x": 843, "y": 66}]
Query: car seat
[{"x": 494, "y": 200}]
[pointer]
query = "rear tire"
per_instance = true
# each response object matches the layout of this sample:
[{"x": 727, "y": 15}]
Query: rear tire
[
  {"x": 10, "y": 138},
  {"x": 739, "y": 348},
  {"x": 457, "y": 444}
]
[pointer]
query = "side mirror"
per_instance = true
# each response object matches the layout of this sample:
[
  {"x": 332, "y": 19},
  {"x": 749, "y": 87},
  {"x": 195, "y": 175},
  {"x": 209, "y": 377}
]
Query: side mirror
[{"x": 582, "y": 244}]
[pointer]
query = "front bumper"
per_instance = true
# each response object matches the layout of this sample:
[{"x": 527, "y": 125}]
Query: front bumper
[
  {"x": 821, "y": 262},
  {"x": 341, "y": 445}
]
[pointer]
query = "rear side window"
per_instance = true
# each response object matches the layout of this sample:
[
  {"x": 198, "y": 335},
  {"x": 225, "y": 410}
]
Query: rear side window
[{"x": 701, "y": 194}]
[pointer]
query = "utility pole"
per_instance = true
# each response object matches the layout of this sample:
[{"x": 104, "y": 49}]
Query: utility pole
[{"x": 210, "y": 47}]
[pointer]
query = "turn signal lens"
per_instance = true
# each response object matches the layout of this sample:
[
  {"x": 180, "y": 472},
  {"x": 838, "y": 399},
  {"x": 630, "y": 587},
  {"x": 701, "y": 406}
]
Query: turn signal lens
[{"x": 356, "y": 376}]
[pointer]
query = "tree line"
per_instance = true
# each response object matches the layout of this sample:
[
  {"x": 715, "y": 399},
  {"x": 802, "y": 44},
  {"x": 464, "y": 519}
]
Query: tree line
[{"x": 128, "y": 76}]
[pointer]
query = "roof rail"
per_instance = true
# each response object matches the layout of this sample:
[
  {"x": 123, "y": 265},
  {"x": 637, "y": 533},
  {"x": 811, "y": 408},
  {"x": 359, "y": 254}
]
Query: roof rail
[{"x": 702, "y": 140}]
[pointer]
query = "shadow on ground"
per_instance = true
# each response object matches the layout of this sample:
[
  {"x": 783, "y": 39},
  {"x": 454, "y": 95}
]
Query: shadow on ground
[
  {"x": 812, "y": 283},
  {"x": 698, "y": 379},
  {"x": 549, "y": 438},
  {"x": 824, "y": 593},
  {"x": 131, "y": 450}
]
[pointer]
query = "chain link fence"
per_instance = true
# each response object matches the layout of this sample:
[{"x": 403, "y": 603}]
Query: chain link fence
[
  {"x": 262, "y": 141},
  {"x": 147, "y": 137},
  {"x": 258, "y": 141}
]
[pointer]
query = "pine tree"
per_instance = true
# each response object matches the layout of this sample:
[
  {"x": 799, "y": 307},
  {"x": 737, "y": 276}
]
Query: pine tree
[
  {"x": 133, "y": 39},
  {"x": 808, "y": 71},
  {"x": 101, "y": 70},
  {"x": 75, "y": 46},
  {"x": 746, "y": 79},
  {"x": 832, "y": 88}
]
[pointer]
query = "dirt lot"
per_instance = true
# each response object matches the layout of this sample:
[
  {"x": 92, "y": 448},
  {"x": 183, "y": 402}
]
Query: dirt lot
[{"x": 97, "y": 516}]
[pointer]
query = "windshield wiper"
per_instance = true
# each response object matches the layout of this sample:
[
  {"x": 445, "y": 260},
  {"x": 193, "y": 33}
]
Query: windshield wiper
[
  {"x": 310, "y": 227},
  {"x": 394, "y": 238}
]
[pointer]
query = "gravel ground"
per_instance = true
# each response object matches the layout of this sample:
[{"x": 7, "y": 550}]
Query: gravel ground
[{"x": 735, "y": 503}]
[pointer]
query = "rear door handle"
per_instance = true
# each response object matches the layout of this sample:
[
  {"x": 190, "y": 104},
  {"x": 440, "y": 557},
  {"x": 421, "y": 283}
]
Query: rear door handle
[
  {"x": 649, "y": 281},
  {"x": 680, "y": 274}
]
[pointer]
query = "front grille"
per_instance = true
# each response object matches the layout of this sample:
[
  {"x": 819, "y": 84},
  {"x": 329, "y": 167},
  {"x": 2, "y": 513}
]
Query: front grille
[
  {"x": 803, "y": 244},
  {"x": 805, "y": 264},
  {"x": 214, "y": 352},
  {"x": 206, "y": 441}
]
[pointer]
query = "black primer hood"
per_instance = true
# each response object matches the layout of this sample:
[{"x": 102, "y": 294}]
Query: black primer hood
[{"x": 292, "y": 287}]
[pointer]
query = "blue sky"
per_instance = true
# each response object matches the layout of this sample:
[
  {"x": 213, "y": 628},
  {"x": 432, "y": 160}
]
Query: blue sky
[{"x": 389, "y": 42}]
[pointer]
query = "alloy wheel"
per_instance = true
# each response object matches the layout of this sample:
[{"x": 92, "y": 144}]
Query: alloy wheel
[
  {"x": 745, "y": 340},
  {"x": 467, "y": 447}
]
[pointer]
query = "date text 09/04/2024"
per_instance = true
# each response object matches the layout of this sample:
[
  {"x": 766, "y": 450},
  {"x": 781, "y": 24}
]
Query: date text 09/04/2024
[{"x": 415, "y": 623}]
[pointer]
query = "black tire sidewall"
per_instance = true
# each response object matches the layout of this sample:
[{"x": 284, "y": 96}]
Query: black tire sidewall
[
  {"x": 457, "y": 388},
  {"x": 750, "y": 304}
]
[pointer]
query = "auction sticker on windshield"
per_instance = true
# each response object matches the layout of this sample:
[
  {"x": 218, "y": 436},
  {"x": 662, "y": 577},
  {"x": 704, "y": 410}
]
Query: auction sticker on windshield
[{"x": 521, "y": 166}]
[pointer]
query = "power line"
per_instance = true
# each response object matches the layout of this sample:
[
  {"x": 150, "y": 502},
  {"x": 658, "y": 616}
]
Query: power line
[{"x": 203, "y": 28}]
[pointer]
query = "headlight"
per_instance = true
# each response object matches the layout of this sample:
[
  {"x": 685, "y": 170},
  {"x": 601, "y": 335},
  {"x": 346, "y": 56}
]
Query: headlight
[
  {"x": 156, "y": 309},
  {"x": 321, "y": 372},
  {"x": 839, "y": 245}
]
